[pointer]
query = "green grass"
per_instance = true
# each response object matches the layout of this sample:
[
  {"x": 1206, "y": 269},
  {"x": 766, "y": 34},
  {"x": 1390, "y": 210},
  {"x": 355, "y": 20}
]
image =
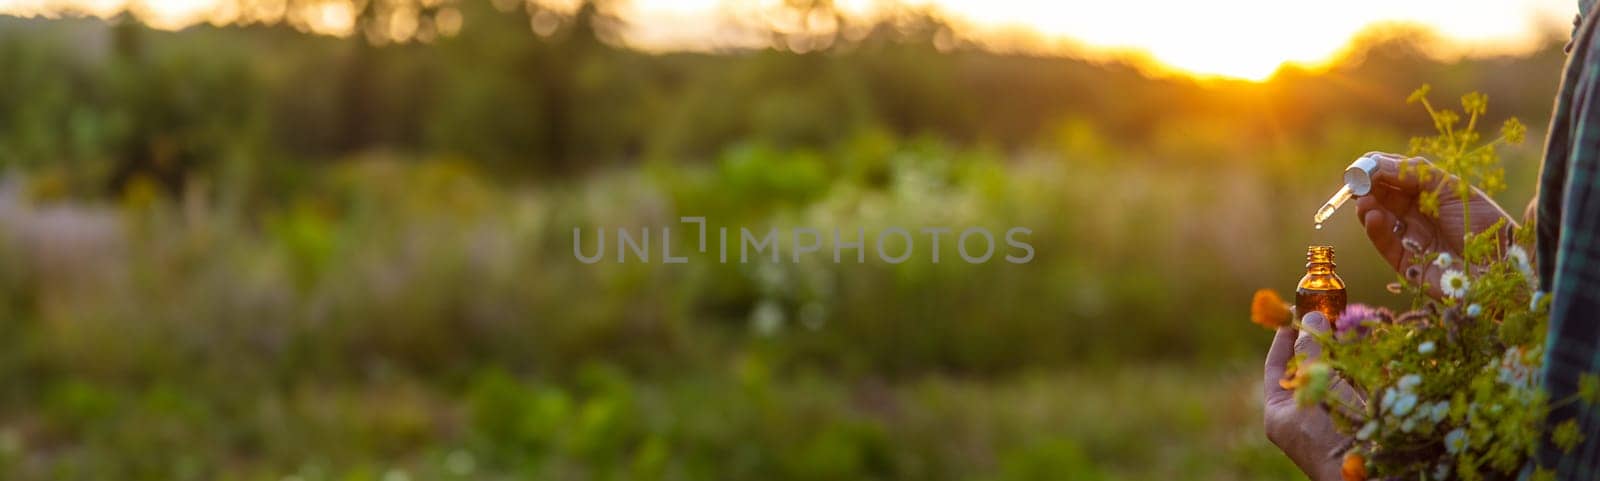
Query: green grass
[{"x": 1133, "y": 422}]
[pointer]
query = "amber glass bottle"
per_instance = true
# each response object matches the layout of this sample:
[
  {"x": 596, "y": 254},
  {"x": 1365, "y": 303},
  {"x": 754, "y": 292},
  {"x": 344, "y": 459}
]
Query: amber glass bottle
[{"x": 1321, "y": 289}]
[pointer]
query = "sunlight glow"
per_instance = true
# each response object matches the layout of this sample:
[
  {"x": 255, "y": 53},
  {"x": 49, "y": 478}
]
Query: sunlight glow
[
  {"x": 172, "y": 14},
  {"x": 1251, "y": 38},
  {"x": 1243, "y": 39},
  {"x": 331, "y": 18}
]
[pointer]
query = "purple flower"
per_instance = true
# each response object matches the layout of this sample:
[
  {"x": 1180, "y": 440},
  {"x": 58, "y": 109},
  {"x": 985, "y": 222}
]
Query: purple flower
[{"x": 1356, "y": 315}]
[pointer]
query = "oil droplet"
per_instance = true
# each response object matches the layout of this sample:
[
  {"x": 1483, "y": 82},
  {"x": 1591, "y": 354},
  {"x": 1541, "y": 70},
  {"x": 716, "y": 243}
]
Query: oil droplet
[{"x": 1319, "y": 226}]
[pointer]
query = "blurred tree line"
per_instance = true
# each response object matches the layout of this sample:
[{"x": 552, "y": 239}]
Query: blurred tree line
[{"x": 531, "y": 92}]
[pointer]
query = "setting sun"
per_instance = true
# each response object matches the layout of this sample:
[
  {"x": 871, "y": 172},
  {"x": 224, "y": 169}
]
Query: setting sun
[{"x": 1250, "y": 39}]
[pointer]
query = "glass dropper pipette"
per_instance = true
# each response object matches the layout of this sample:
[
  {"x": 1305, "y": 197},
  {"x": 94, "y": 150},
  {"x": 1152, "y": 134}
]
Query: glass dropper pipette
[
  {"x": 1357, "y": 181},
  {"x": 1339, "y": 198}
]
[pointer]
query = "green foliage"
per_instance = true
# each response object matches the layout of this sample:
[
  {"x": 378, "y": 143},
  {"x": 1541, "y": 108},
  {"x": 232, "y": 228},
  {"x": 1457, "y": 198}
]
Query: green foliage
[
  {"x": 407, "y": 315},
  {"x": 1567, "y": 435},
  {"x": 1049, "y": 460},
  {"x": 1589, "y": 388}
]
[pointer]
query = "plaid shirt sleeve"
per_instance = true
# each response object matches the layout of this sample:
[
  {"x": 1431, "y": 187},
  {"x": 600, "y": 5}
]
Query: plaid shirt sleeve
[{"x": 1568, "y": 223}]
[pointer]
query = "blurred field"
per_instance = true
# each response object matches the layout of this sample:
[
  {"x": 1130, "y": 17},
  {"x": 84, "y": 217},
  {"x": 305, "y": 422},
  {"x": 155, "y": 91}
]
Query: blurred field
[{"x": 250, "y": 253}]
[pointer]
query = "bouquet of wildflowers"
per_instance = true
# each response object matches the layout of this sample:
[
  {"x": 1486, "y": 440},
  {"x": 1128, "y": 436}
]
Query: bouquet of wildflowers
[{"x": 1447, "y": 389}]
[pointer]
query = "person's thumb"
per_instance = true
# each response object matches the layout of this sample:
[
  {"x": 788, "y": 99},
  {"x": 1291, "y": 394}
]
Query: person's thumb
[{"x": 1313, "y": 323}]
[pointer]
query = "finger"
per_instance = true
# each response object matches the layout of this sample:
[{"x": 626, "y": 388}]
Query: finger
[
  {"x": 1313, "y": 324},
  {"x": 1393, "y": 199},
  {"x": 1380, "y": 225},
  {"x": 1277, "y": 360},
  {"x": 1421, "y": 240},
  {"x": 1351, "y": 404},
  {"x": 1384, "y": 155},
  {"x": 1385, "y": 198},
  {"x": 1420, "y": 234},
  {"x": 1368, "y": 203},
  {"x": 1403, "y": 173}
]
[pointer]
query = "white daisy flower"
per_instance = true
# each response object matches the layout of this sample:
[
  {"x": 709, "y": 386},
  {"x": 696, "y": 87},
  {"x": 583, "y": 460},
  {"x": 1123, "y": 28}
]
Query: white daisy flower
[
  {"x": 1439, "y": 411},
  {"x": 767, "y": 318},
  {"x": 1367, "y": 430},
  {"x": 1456, "y": 441},
  {"x": 1404, "y": 405},
  {"x": 1474, "y": 310},
  {"x": 1454, "y": 283},
  {"x": 1427, "y": 347},
  {"x": 1409, "y": 381},
  {"x": 1444, "y": 261},
  {"x": 1519, "y": 256},
  {"x": 1512, "y": 371}
]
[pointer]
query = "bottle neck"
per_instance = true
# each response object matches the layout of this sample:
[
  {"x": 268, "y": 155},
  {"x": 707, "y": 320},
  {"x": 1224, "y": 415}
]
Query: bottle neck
[{"x": 1319, "y": 260}]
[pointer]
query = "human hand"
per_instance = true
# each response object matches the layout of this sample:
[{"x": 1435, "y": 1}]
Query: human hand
[
  {"x": 1304, "y": 433},
  {"x": 1398, "y": 228}
]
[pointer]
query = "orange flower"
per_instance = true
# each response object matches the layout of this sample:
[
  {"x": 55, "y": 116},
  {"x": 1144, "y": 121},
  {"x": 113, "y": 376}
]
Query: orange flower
[
  {"x": 1268, "y": 310},
  {"x": 1355, "y": 468}
]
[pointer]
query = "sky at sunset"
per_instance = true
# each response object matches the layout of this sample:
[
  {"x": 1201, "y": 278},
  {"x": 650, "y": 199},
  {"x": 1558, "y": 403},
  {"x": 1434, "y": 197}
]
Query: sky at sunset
[
  {"x": 1246, "y": 39},
  {"x": 1231, "y": 38}
]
